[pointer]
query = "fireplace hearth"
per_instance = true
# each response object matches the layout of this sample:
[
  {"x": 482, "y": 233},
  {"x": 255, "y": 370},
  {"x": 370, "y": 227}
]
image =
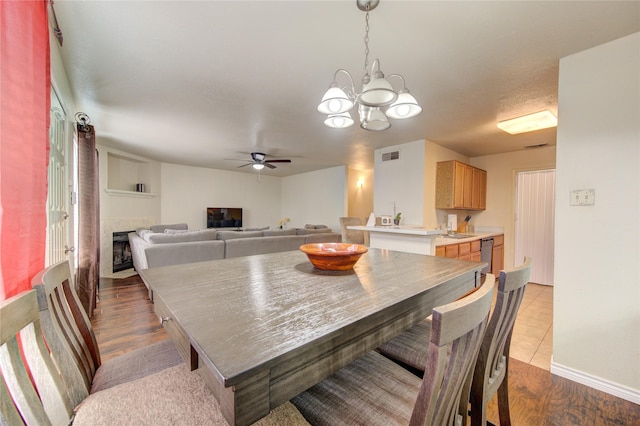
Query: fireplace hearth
[{"x": 122, "y": 258}]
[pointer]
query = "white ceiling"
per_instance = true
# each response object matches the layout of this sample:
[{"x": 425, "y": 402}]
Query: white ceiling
[{"x": 198, "y": 82}]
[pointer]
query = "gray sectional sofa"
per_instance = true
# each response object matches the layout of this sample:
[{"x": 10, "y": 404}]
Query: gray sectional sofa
[{"x": 163, "y": 245}]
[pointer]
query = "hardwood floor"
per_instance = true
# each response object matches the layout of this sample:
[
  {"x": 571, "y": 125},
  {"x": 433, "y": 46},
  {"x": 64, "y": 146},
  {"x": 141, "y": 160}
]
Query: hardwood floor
[{"x": 124, "y": 320}]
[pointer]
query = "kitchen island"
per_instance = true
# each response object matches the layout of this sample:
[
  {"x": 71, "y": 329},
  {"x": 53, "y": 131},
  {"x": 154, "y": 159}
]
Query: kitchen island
[{"x": 408, "y": 239}]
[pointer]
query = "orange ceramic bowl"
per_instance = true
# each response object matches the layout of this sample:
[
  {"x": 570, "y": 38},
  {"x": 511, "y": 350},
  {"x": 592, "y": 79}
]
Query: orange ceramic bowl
[{"x": 333, "y": 256}]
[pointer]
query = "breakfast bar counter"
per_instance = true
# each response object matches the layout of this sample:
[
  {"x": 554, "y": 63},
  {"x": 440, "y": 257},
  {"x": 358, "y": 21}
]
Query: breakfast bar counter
[
  {"x": 409, "y": 239},
  {"x": 261, "y": 329}
]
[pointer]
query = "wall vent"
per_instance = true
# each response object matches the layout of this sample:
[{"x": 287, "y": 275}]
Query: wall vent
[{"x": 393, "y": 155}]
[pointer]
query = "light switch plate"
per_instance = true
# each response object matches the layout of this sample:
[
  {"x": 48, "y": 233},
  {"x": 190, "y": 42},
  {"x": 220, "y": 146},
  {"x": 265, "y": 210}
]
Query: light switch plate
[{"x": 582, "y": 197}]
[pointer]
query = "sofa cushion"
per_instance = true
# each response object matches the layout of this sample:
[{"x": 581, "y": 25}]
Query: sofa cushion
[
  {"x": 309, "y": 226},
  {"x": 279, "y": 232},
  {"x": 143, "y": 231},
  {"x": 304, "y": 231},
  {"x": 261, "y": 245},
  {"x": 184, "y": 237},
  {"x": 161, "y": 228},
  {"x": 232, "y": 235},
  {"x": 179, "y": 253},
  {"x": 175, "y": 231},
  {"x": 262, "y": 228}
]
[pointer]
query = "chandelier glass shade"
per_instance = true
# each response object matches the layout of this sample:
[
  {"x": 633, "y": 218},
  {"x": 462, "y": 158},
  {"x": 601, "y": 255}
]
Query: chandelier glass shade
[{"x": 377, "y": 101}]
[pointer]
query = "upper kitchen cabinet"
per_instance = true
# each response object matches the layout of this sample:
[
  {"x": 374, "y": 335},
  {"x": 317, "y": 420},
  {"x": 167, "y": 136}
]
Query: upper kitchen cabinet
[{"x": 460, "y": 186}]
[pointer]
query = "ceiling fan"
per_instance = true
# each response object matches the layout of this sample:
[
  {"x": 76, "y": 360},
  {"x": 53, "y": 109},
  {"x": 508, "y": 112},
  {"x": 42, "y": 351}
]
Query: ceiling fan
[{"x": 259, "y": 161}]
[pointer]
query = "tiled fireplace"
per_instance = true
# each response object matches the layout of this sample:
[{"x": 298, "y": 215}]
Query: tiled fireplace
[
  {"x": 108, "y": 246},
  {"x": 122, "y": 259}
]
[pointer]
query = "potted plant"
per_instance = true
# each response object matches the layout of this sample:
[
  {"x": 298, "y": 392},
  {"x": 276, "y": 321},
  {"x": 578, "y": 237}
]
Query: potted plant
[
  {"x": 396, "y": 220},
  {"x": 283, "y": 222}
]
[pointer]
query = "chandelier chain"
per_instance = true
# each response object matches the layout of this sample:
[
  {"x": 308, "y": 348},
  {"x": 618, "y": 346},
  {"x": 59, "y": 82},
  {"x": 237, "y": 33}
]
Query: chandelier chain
[{"x": 366, "y": 42}]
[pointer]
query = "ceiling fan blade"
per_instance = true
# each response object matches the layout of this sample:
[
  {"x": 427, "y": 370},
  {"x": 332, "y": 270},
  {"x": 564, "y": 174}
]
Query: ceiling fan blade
[
  {"x": 244, "y": 165},
  {"x": 269, "y": 165},
  {"x": 278, "y": 161}
]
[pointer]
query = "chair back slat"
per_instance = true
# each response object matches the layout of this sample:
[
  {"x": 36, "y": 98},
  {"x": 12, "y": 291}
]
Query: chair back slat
[
  {"x": 457, "y": 330},
  {"x": 8, "y": 413},
  {"x": 494, "y": 350},
  {"x": 82, "y": 321},
  {"x": 35, "y": 390},
  {"x": 67, "y": 329},
  {"x": 490, "y": 375},
  {"x": 66, "y": 322}
]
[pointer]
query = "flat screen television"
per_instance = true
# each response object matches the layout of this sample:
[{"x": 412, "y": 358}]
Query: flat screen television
[{"x": 224, "y": 217}]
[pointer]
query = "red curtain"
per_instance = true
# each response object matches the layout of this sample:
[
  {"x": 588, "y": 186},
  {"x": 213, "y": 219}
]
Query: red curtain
[{"x": 24, "y": 142}]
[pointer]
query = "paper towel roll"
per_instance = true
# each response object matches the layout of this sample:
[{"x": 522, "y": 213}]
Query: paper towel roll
[{"x": 452, "y": 222}]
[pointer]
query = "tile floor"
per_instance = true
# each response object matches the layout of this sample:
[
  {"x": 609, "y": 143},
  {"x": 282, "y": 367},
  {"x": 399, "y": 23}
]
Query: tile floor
[{"x": 532, "y": 337}]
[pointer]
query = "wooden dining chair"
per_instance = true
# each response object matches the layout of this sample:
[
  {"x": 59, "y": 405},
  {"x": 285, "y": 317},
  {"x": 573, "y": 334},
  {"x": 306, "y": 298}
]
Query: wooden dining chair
[
  {"x": 374, "y": 390},
  {"x": 33, "y": 392},
  {"x": 350, "y": 235},
  {"x": 20, "y": 401},
  {"x": 68, "y": 331},
  {"x": 491, "y": 371}
]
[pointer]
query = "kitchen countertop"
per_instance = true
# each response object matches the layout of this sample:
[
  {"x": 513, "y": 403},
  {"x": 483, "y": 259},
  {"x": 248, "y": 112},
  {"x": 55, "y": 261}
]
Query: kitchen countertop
[
  {"x": 408, "y": 230},
  {"x": 442, "y": 240}
]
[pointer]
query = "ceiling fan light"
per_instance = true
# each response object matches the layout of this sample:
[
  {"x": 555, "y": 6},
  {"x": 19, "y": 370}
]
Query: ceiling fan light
[
  {"x": 258, "y": 166},
  {"x": 339, "y": 121},
  {"x": 335, "y": 101},
  {"x": 405, "y": 106}
]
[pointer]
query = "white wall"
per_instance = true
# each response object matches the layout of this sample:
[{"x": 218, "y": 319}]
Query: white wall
[
  {"x": 188, "y": 191},
  {"x": 360, "y": 198},
  {"x": 116, "y": 207},
  {"x": 401, "y": 182},
  {"x": 501, "y": 189},
  {"x": 596, "y": 318},
  {"x": 318, "y": 197}
]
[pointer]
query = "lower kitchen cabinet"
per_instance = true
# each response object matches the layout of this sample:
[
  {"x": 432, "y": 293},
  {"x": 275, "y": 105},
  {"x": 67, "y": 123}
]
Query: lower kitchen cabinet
[
  {"x": 469, "y": 251},
  {"x": 497, "y": 256},
  {"x": 474, "y": 256}
]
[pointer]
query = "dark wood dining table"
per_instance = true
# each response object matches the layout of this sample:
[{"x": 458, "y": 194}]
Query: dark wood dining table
[{"x": 261, "y": 329}]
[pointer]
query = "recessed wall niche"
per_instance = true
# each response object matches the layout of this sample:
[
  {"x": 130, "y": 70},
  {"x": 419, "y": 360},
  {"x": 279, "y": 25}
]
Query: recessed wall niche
[{"x": 126, "y": 173}]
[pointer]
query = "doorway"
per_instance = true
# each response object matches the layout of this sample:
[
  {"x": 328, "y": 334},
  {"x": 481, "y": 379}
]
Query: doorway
[{"x": 535, "y": 221}]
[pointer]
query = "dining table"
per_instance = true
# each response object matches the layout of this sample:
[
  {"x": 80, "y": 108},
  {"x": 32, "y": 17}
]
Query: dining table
[{"x": 261, "y": 329}]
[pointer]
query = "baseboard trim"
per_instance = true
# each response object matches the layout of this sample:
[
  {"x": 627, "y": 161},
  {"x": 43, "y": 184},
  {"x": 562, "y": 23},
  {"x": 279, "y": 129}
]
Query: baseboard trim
[{"x": 615, "y": 389}]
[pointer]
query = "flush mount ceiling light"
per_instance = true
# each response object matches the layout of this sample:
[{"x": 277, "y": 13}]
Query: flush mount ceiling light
[
  {"x": 529, "y": 123},
  {"x": 376, "y": 102}
]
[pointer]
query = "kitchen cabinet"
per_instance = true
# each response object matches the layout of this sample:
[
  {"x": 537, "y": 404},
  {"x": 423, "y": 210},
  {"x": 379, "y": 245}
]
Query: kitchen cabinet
[
  {"x": 479, "y": 192},
  {"x": 451, "y": 251},
  {"x": 469, "y": 251},
  {"x": 460, "y": 186},
  {"x": 497, "y": 256},
  {"x": 474, "y": 256}
]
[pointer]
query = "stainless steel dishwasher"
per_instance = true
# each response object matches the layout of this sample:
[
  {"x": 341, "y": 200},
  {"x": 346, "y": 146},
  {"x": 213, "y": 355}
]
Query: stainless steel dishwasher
[{"x": 486, "y": 252}]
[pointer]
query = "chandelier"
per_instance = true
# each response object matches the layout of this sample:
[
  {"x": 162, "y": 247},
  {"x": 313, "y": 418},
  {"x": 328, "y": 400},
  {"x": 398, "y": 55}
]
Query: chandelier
[{"x": 376, "y": 102}]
